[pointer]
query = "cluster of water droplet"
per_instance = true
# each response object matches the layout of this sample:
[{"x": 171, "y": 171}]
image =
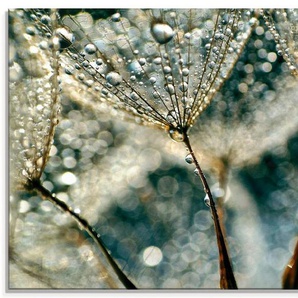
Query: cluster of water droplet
[
  {"x": 283, "y": 27},
  {"x": 34, "y": 106},
  {"x": 164, "y": 67}
]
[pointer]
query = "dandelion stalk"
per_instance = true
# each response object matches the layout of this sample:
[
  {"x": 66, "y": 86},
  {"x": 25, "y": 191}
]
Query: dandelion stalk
[
  {"x": 227, "y": 279},
  {"x": 35, "y": 185}
]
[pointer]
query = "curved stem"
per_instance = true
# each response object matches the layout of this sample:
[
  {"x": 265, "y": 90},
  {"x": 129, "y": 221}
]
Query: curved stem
[
  {"x": 227, "y": 279},
  {"x": 46, "y": 195}
]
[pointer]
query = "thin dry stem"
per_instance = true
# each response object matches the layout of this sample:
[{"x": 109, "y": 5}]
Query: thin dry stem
[
  {"x": 227, "y": 279},
  {"x": 46, "y": 195}
]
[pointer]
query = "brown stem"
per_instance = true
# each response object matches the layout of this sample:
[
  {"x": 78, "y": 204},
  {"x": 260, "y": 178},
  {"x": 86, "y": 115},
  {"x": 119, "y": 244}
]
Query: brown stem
[
  {"x": 227, "y": 279},
  {"x": 46, "y": 195}
]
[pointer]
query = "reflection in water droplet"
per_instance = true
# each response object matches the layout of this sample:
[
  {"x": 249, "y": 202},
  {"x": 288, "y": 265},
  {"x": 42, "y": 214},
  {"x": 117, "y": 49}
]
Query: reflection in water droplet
[
  {"x": 116, "y": 17},
  {"x": 90, "y": 48},
  {"x": 114, "y": 78},
  {"x": 189, "y": 158},
  {"x": 207, "y": 201},
  {"x": 63, "y": 38},
  {"x": 162, "y": 33},
  {"x": 134, "y": 96},
  {"x": 176, "y": 135}
]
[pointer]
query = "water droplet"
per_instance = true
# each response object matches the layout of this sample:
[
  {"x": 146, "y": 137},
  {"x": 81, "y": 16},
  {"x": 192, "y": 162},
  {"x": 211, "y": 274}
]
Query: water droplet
[
  {"x": 162, "y": 33},
  {"x": 185, "y": 72},
  {"x": 208, "y": 46},
  {"x": 114, "y": 78},
  {"x": 170, "y": 89},
  {"x": 116, "y": 17},
  {"x": 196, "y": 172},
  {"x": 64, "y": 38},
  {"x": 170, "y": 79},
  {"x": 228, "y": 32},
  {"x": 134, "y": 96},
  {"x": 99, "y": 61},
  {"x": 81, "y": 76},
  {"x": 69, "y": 70},
  {"x": 176, "y": 135},
  {"x": 207, "y": 201},
  {"x": 183, "y": 87},
  {"x": 157, "y": 60},
  {"x": 167, "y": 69},
  {"x": 152, "y": 80},
  {"x": 45, "y": 19},
  {"x": 156, "y": 94},
  {"x": 142, "y": 61},
  {"x": 189, "y": 158},
  {"x": 90, "y": 48},
  {"x": 211, "y": 64},
  {"x": 105, "y": 92},
  {"x": 136, "y": 52}
]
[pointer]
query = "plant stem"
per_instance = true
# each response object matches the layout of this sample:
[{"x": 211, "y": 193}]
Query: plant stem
[
  {"x": 46, "y": 195},
  {"x": 227, "y": 279}
]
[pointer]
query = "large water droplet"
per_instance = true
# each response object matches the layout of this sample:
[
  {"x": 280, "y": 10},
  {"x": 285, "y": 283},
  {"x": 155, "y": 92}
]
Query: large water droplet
[
  {"x": 90, "y": 48},
  {"x": 189, "y": 158},
  {"x": 162, "y": 33},
  {"x": 176, "y": 135},
  {"x": 114, "y": 78},
  {"x": 64, "y": 38}
]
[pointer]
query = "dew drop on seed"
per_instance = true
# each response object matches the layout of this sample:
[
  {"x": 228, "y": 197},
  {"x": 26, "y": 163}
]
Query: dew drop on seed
[
  {"x": 207, "y": 201},
  {"x": 167, "y": 69},
  {"x": 45, "y": 19},
  {"x": 155, "y": 94},
  {"x": 189, "y": 158},
  {"x": 170, "y": 79},
  {"x": 211, "y": 64},
  {"x": 170, "y": 89},
  {"x": 134, "y": 96},
  {"x": 114, "y": 78},
  {"x": 228, "y": 32},
  {"x": 185, "y": 72},
  {"x": 99, "y": 61},
  {"x": 152, "y": 80},
  {"x": 81, "y": 76},
  {"x": 63, "y": 38},
  {"x": 116, "y": 17},
  {"x": 162, "y": 33},
  {"x": 90, "y": 48},
  {"x": 157, "y": 60},
  {"x": 183, "y": 87},
  {"x": 176, "y": 135}
]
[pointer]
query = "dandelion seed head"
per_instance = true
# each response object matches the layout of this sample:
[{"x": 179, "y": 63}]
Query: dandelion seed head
[{"x": 163, "y": 69}]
